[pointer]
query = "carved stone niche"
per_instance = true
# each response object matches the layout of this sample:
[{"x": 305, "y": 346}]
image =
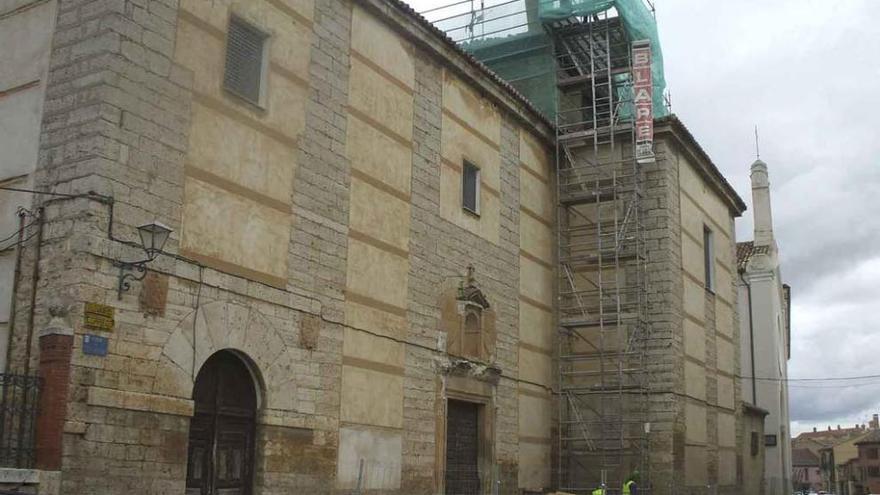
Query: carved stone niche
[{"x": 469, "y": 322}]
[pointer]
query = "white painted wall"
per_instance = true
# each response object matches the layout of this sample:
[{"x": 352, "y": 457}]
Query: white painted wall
[
  {"x": 767, "y": 338},
  {"x": 25, "y": 37}
]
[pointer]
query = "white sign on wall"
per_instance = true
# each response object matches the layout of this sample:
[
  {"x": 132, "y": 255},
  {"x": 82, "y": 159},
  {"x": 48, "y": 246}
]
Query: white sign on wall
[{"x": 643, "y": 101}]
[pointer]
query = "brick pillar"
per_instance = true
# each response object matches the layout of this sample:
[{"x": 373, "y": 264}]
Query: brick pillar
[{"x": 56, "y": 345}]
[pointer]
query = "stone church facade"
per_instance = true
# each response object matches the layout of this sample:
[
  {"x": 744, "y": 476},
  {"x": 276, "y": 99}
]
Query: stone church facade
[
  {"x": 318, "y": 243},
  {"x": 332, "y": 311}
]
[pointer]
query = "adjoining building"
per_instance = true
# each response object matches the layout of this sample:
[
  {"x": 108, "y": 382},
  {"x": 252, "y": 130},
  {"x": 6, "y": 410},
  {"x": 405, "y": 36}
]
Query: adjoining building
[
  {"x": 765, "y": 330},
  {"x": 286, "y": 246}
]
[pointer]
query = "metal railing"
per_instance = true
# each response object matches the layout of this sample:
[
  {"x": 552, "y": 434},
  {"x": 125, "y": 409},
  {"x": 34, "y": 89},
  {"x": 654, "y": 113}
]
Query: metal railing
[{"x": 19, "y": 403}]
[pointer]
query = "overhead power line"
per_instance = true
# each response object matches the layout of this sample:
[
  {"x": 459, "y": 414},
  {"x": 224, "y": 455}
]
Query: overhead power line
[{"x": 826, "y": 379}]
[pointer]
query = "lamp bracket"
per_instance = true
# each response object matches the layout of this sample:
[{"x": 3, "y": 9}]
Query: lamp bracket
[{"x": 128, "y": 271}]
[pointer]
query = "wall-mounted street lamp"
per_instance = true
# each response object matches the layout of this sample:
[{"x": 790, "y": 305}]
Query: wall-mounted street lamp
[{"x": 153, "y": 238}]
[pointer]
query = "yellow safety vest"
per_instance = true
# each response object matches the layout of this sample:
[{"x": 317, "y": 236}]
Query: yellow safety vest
[
  {"x": 626, "y": 490},
  {"x": 598, "y": 491}
]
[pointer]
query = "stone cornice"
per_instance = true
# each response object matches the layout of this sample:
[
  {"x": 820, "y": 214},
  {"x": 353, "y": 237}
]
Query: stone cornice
[{"x": 673, "y": 127}]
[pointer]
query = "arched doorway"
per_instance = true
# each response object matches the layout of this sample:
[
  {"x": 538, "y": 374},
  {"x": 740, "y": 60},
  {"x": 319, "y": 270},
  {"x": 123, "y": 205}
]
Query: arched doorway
[{"x": 221, "y": 433}]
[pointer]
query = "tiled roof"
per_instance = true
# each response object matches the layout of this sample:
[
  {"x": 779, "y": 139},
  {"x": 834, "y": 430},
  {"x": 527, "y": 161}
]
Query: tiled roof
[
  {"x": 803, "y": 457},
  {"x": 873, "y": 437},
  {"x": 833, "y": 436},
  {"x": 745, "y": 251}
]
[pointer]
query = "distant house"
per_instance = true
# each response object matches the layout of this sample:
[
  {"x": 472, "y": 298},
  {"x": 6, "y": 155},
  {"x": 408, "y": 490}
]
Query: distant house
[
  {"x": 844, "y": 456},
  {"x": 869, "y": 461},
  {"x": 806, "y": 471}
]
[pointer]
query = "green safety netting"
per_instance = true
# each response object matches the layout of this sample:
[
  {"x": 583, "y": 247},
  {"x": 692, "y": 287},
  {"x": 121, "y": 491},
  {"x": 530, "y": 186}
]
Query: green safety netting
[
  {"x": 510, "y": 38},
  {"x": 638, "y": 22}
]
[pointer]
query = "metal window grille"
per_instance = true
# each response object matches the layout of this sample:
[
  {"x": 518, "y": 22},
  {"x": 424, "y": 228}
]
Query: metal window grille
[
  {"x": 245, "y": 47},
  {"x": 470, "y": 187},
  {"x": 19, "y": 400}
]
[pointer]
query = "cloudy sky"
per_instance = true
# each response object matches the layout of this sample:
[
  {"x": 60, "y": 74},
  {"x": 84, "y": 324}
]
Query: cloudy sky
[{"x": 807, "y": 73}]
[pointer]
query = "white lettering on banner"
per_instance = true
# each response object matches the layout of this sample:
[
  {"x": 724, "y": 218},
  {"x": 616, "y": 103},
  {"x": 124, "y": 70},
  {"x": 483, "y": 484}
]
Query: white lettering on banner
[{"x": 643, "y": 101}]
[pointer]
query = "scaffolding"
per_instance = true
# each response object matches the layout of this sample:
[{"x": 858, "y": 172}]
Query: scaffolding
[
  {"x": 573, "y": 60},
  {"x": 603, "y": 408}
]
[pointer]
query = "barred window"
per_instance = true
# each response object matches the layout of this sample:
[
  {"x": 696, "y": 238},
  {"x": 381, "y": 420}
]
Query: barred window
[{"x": 245, "y": 61}]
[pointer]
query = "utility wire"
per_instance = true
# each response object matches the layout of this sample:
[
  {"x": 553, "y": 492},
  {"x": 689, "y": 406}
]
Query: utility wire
[
  {"x": 34, "y": 191},
  {"x": 22, "y": 228},
  {"x": 827, "y": 379},
  {"x": 4, "y": 248},
  {"x": 837, "y": 386},
  {"x": 10, "y": 236}
]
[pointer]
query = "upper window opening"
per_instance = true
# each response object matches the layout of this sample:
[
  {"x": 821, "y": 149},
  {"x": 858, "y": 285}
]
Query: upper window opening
[
  {"x": 709, "y": 258},
  {"x": 245, "y": 61},
  {"x": 470, "y": 188}
]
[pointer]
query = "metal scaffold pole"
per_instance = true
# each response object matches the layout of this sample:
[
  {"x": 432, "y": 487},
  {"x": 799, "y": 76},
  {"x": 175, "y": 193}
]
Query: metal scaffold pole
[{"x": 603, "y": 408}]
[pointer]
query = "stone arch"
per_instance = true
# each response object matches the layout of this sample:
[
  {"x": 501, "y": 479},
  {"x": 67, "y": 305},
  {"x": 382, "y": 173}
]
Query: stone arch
[
  {"x": 229, "y": 326},
  {"x": 222, "y": 432}
]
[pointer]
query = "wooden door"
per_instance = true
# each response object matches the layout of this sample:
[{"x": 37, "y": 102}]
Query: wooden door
[
  {"x": 462, "y": 448},
  {"x": 221, "y": 435}
]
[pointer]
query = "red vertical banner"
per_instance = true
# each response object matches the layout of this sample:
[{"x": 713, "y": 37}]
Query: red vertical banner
[{"x": 643, "y": 101}]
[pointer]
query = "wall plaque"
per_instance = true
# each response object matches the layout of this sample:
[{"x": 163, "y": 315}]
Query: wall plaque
[
  {"x": 154, "y": 294},
  {"x": 94, "y": 345},
  {"x": 99, "y": 317}
]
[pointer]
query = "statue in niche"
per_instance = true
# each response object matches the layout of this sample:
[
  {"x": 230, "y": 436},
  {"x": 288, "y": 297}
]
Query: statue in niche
[{"x": 469, "y": 321}]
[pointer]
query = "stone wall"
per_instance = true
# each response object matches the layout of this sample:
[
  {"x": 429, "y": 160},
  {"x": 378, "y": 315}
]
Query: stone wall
[
  {"x": 133, "y": 106},
  {"x": 665, "y": 369},
  {"x": 328, "y": 261},
  {"x": 692, "y": 355}
]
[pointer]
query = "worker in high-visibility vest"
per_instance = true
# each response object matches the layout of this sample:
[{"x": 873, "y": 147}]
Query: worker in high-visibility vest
[
  {"x": 631, "y": 487},
  {"x": 600, "y": 490}
]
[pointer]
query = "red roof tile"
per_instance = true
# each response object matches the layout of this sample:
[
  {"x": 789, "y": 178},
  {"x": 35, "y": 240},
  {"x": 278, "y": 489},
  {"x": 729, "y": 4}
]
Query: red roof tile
[{"x": 745, "y": 251}]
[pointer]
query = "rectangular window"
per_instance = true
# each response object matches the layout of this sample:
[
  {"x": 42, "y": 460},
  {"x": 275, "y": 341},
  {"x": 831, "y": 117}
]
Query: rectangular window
[
  {"x": 872, "y": 453},
  {"x": 470, "y": 188},
  {"x": 755, "y": 444},
  {"x": 874, "y": 471},
  {"x": 709, "y": 257},
  {"x": 245, "y": 61}
]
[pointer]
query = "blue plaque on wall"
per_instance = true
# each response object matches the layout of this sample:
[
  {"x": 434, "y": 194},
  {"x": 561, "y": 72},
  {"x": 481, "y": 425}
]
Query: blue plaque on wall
[{"x": 95, "y": 345}]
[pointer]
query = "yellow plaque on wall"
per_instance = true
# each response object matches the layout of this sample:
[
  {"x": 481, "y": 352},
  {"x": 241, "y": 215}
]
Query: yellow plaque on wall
[{"x": 99, "y": 317}]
